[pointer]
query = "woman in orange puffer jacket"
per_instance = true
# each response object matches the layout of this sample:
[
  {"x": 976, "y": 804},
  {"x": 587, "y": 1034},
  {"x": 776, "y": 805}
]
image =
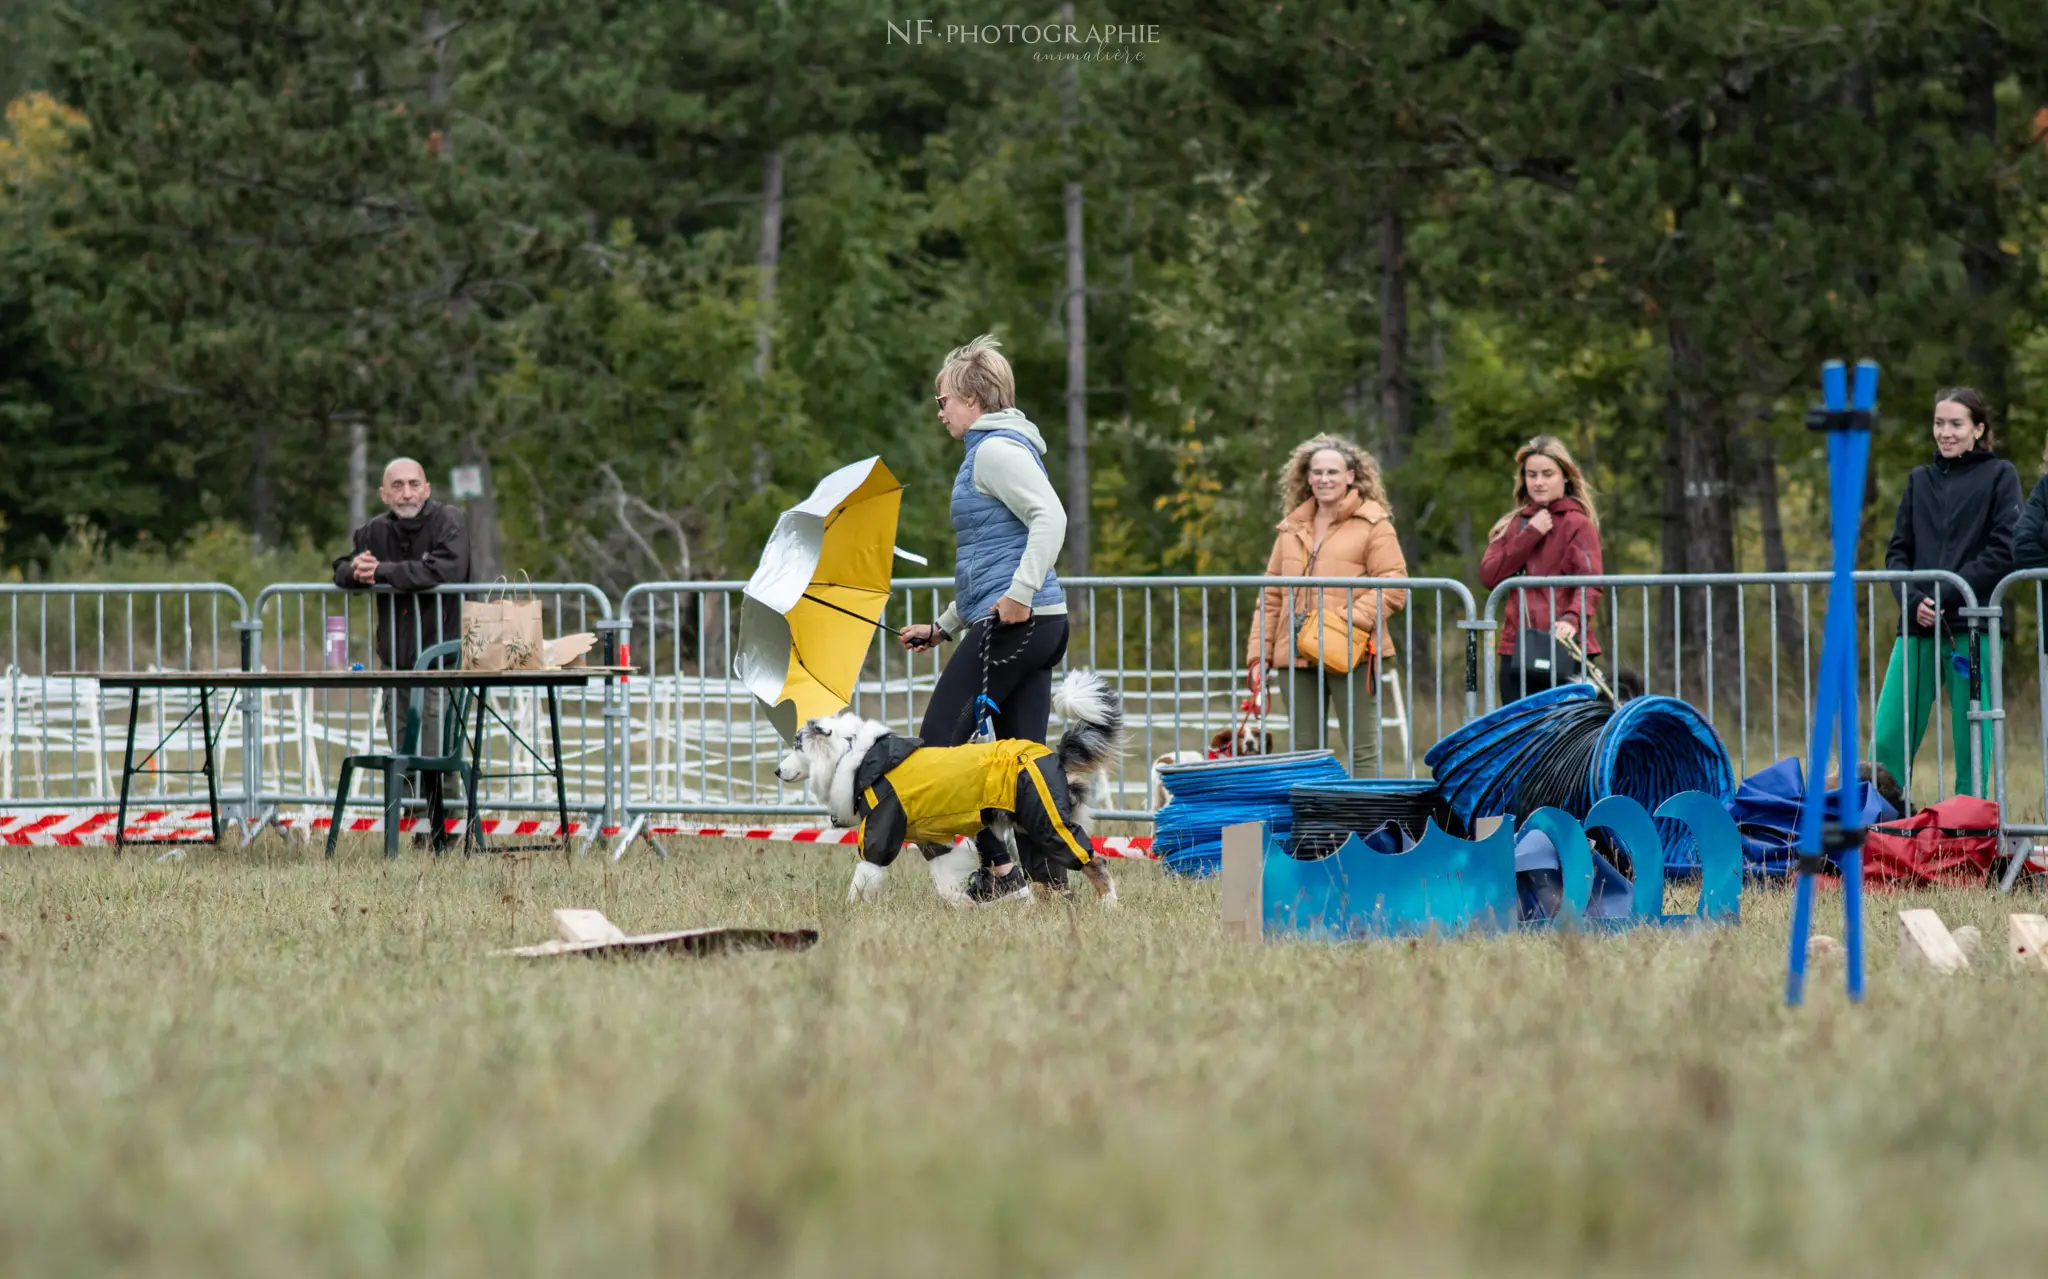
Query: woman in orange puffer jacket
[{"x": 1338, "y": 524}]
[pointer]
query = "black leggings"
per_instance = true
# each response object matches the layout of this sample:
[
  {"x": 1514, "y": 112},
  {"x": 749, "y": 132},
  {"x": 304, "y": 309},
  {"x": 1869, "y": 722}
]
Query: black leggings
[{"x": 1022, "y": 658}]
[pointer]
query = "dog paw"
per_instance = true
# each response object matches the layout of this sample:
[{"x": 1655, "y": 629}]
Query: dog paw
[{"x": 867, "y": 882}]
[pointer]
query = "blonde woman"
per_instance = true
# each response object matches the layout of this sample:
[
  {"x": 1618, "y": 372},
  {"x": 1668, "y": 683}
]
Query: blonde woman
[
  {"x": 1008, "y": 528},
  {"x": 1338, "y": 524},
  {"x": 1553, "y": 531}
]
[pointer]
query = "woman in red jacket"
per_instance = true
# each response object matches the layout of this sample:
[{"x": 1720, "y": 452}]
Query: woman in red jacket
[{"x": 1554, "y": 531}]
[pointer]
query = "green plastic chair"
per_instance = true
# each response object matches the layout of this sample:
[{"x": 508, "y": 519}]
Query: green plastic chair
[{"x": 408, "y": 759}]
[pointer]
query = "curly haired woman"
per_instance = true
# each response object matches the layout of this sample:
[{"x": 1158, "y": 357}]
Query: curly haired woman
[{"x": 1338, "y": 524}]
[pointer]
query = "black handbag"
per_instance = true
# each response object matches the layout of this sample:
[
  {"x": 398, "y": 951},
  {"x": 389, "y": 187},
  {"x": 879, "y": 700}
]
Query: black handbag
[{"x": 1540, "y": 661}]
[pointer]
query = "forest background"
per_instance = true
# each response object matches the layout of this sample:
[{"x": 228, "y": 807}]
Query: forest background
[{"x": 653, "y": 267}]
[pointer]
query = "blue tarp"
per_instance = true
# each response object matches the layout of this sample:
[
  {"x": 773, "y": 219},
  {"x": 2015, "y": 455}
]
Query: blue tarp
[
  {"x": 1539, "y": 882},
  {"x": 1766, "y": 810}
]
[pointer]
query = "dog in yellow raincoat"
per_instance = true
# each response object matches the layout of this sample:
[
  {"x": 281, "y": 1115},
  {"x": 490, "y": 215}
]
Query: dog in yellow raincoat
[{"x": 894, "y": 789}]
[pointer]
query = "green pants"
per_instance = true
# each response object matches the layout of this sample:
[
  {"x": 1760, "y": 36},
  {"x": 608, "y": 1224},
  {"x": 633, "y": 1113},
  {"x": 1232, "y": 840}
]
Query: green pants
[
  {"x": 1926, "y": 659},
  {"x": 1358, "y": 713}
]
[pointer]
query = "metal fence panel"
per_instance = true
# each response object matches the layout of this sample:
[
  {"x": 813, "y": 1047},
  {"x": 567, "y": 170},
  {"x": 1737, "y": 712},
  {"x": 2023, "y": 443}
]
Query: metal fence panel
[
  {"x": 306, "y": 733},
  {"x": 65, "y": 736},
  {"x": 1174, "y": 647},
  {"x": 1744, "y": 648},
  {"x": 686, "y": 737},
  {"x": 2019, "y": 763}
]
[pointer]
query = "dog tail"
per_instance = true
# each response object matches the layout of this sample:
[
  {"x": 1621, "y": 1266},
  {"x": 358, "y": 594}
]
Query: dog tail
[{"x": 1095, "y": 724}]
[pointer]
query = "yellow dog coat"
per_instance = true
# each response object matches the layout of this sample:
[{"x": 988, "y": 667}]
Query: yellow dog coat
[{"x": 906, "y": 790}]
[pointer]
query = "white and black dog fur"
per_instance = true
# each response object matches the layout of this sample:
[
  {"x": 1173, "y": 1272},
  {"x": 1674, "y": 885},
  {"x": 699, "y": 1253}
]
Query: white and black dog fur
[{"x": 829, "y": 751}]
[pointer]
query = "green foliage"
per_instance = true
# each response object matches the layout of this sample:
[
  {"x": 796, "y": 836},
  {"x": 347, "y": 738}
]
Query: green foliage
[
  {"x": 1236, "y": 337},
  {"x": 535, "y": 230},
  {"x": 215, "y": 551},
  {"x": 630, "y": 417}
]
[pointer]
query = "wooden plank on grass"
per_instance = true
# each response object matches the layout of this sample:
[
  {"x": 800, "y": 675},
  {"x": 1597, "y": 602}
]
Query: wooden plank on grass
[
  {"x": 1244, "y": 867},
  {"x": 573, "y": 925},
  {"x": 1925, "y": 942},
  {"x": 2027, "y": 937}
]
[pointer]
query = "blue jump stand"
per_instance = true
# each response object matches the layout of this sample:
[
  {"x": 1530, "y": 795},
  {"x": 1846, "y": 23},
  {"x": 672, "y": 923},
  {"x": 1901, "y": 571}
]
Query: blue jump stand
[
  {"x": 1447, "y": 886},
  {"x": 1848, "y": 422}
]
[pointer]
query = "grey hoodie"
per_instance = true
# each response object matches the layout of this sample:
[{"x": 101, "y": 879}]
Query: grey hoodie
[{"x": 1005, "y": 472}]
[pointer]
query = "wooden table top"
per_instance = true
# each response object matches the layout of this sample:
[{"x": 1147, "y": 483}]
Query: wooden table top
[{"x": 566, "y": 677}]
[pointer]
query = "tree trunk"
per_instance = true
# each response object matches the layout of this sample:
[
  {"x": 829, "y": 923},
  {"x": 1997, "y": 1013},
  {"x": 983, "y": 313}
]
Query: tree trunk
[
  {"x": 1860, "y": 91},
  {"x": 1397, "y": 408},
  {"x": 769, "y": 260},
  {"x": 1869, "y": 531},
  {"x": 1079, "y": 524},
  {"x": 1699, "y": 516},
  {"x": 1984, "y": 262},
  {"x": 1791, "y": 624},
  {"x": 1397, "y": 399},
  {"x": 263, "y": 519},
  {"x": 1671, "y": 518},
  {"x": 480, "y": 516},
  {"x": 358, "y": 473}
]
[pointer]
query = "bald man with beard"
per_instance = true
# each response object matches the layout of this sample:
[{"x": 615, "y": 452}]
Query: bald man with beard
[{"x": 415, "y": 546}]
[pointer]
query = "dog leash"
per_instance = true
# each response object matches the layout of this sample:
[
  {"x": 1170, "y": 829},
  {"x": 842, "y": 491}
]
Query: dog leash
[
  {"x": 1253, "y": 708},
  {"x": 985, "y": 707}
]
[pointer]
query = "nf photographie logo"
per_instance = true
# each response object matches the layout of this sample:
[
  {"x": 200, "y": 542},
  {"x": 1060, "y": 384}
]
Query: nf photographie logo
[{"x": 1059, "y": 35}]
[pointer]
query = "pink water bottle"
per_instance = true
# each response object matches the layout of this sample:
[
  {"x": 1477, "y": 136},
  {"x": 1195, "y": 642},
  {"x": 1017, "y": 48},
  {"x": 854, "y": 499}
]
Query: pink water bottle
[{"x": 337, "y": 643}]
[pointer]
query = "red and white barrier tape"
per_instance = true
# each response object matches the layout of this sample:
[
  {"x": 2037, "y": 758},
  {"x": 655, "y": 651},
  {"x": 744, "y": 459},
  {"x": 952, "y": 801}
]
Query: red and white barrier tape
[
  {"x": 147, "y": 825},
  {"x": 1132, "y": 846}
]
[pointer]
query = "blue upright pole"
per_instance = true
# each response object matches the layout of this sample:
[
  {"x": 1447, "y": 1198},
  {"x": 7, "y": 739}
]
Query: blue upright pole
[{"x": 1848, "y": 423}]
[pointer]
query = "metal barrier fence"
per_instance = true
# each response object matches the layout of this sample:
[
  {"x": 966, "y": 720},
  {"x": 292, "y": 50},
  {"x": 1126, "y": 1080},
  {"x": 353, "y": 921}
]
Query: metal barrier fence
[
  {"x": 305, "y": 733},
  {"x": 697, "y": 742},
  {"x": 62, "y": 730},
  {"x": 684, "y": 737},
  {"x": 2019, "y": 814},
  {"x": 1743, "y": 648}
]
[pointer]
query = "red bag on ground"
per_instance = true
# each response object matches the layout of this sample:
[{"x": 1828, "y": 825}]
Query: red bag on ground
[{"x": 1954, "y": 842}]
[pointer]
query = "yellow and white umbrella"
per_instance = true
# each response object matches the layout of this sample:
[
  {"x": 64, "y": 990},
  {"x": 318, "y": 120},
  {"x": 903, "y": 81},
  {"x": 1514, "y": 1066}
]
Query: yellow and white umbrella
[{"x": 812, "y": 606}]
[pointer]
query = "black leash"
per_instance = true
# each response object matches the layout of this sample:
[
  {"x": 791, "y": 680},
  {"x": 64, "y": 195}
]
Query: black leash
[{"x": 985, "y": 708}]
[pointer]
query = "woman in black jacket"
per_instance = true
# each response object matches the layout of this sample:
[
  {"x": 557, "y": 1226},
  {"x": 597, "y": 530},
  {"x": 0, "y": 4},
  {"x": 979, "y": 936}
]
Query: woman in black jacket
[{"x": 1960, "y": 512}]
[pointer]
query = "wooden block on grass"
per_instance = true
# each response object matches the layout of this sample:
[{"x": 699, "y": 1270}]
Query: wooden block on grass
[
  {"x": 1925, "y": 942},
  {"x": 1244, "y": 869},
  {"x": 586, "y": 926},
  {"x": 2027, "y": 938}
]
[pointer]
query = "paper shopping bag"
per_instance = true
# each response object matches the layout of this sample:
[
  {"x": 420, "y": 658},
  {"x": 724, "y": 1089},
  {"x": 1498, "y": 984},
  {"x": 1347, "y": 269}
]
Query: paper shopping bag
[{"x": 501, "y": 635}]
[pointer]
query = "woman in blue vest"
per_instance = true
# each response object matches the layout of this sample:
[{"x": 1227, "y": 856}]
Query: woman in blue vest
[{"x": 1008, "y": 613}]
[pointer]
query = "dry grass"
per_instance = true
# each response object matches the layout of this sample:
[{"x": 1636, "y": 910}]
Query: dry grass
[{"x": 258, "y": 1063}]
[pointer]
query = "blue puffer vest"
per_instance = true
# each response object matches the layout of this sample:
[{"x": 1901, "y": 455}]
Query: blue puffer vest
[{"x": 990, "y": 539}]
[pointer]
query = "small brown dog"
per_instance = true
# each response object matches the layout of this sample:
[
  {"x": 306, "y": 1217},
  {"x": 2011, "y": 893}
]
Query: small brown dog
[
  {"x": 1245, "y": 740},
  {"x": 1225, "y": 744}
]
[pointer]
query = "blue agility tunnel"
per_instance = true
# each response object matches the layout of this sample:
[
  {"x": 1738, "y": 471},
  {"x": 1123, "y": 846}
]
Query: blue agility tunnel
[{"x": 1569, "y": 748}]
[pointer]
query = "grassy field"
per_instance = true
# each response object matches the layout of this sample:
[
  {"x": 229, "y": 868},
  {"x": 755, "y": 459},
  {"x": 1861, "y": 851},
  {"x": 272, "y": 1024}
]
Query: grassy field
[{"x": 254, "y": 1062}]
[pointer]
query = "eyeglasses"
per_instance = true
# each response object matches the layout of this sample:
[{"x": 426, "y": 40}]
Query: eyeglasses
[{"x": 942, "y": 401}]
